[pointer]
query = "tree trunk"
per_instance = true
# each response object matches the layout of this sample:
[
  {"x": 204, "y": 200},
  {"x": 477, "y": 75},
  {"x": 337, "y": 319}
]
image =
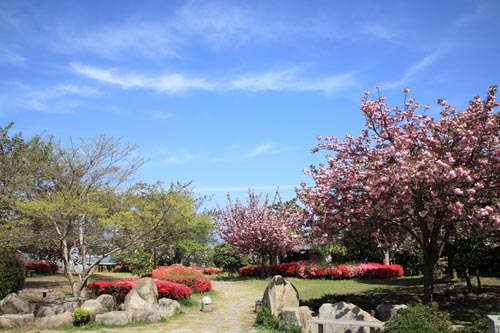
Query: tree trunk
[
  {"x": 480, "y": 289},
  {"x": 263, "y": 266},
  {"x": 386, "y": 260},
  {"x": 429, "y": 263},
  {"x": 467, "y": 279}
]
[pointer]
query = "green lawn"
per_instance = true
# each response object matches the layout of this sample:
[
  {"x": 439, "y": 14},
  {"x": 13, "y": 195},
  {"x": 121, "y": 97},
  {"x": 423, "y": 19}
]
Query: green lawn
[{"x": 367, "y": 294}]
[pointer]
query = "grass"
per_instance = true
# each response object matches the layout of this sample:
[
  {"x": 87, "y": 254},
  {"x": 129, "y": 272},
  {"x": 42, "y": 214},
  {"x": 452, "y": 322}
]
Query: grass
[{"x": 463, "y": 307}]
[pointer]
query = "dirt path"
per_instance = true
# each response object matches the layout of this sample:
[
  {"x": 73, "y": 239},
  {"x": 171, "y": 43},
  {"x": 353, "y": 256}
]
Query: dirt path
[{"x": 232, "y": 312}]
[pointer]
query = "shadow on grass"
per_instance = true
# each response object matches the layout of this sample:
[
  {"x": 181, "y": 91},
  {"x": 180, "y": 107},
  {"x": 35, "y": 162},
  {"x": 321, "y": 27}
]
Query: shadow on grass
[{"x": 463, "y": 307}]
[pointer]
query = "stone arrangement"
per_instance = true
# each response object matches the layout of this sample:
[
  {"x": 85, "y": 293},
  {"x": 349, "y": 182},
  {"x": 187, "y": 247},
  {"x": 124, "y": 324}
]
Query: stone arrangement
[
  {"x": 141, "y": 303},
  {"x": 282, "y": 299}
]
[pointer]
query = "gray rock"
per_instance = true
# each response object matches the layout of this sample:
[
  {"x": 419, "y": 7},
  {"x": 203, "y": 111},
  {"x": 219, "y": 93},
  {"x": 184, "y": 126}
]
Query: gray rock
[
  {"x": 493, "y": 323},
  {"x": 51, "y": 306},
  {"x": 107, "y": 301},
  {"x": 293, "y": 317},
  {"x": 280, "y": 294},
  {"x": 344, "y": 311},
  {"x": 94, "y": 307},
  {"x": 14, "y": 304},
  {"x": 386, "y": 311},
  {"x": 168, "y": 307},
  {"x": 14, "y": 320},
  {"x": 114, "y": 318},
  {"x": 65, "y": 318},
  {"x": 142, "y": 296}
]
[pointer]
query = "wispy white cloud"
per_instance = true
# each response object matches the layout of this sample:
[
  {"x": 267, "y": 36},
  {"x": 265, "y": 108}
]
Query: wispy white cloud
[
  {"x": 472, "y": 15},
  {"x": 413, "y": 70},
  {"x": 168, "y": 83},
  {"x": 293, "y": 80},
  {"x": 8, "y": 56},
  {"x": 220, "y": 24},
  {"x": 60, "y": 98},
  {"x": 264, "y": 149},
  {"x": 161, "y": 115},
  {"x": 178, "y": 159},
  {"x": 147, "y": 39}
]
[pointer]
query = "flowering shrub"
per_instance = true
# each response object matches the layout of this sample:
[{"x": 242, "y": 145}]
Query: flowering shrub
[
  {"x": 42, "y": 267},
  {"x": 312, "y": 270},
  {"x": 121, "y": 288},
  {"x": 188, "y": 276},
  {"x": 207, "y": 270}
]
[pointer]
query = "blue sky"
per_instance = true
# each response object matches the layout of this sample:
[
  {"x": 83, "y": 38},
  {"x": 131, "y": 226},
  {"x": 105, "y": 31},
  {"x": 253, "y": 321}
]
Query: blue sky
[{"x": 231, "y": 95}]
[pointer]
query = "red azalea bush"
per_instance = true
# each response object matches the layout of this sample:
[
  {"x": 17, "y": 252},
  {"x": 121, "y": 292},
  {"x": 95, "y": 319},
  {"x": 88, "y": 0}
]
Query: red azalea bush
[
  {"x": 207, "y": 270},
  {"x": 313, "y": 270},
  {"x": 42, "y": 267},
  {"x": 121, "y": 288},
  {"x": 188, "y": 276}
]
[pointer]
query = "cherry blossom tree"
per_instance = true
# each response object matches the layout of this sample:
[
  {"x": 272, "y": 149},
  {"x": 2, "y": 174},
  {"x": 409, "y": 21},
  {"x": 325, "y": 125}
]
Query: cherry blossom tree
[
  {"x": 411, "y": 175},
  {"x": 262, "y": 228}
]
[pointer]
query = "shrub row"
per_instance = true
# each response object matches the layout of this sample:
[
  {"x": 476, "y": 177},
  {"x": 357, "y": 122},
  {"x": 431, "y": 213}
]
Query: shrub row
[
  {"x": 188, "y": 276},
  {"x": 121, "y": 288},
  {"x": 309, "y": 270},
  {"x": 42, "y": 267}
]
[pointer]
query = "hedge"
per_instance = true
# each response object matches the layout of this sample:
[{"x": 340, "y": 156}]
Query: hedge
[
  {"x": 188, "y": 276},
  {"x": 311, "y": 270}
]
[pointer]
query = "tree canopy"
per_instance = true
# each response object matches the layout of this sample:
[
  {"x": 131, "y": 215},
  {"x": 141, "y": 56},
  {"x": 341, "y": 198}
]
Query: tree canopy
[{"x": 411, "y": 175}]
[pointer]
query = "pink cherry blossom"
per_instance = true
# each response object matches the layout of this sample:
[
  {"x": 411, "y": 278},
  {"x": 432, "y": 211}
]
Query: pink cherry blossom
[{"x": 411, "y": 175}]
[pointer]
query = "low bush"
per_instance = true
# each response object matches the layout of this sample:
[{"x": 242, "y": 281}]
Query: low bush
[
  {"x": 11, "y": 274},
  {"x": 188, "y": 276},
  {"x": 419, "y": 319},
  {"x": 81, "y": 316},
  {"x": 121, "y": 288},
  {"x": 311, "y": 270},
  {"x": 42, "y": 267}
]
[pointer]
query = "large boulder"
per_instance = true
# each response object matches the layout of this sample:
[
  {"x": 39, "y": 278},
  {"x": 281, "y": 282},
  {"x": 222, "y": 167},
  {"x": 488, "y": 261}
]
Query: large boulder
[
  {"x": 142, "y": 301},
  {"x": 107, "y": 301},
  {"x": 94, "y": 307},
  {"x": 386, "y": 311},
  {"x": 280, "y": 294},
  {"x": 294, "y": 317},
  {"x": 142, "y": 296},
  {"x": 114, "y": 318},
  {"x": 168, "y": 307},
  {"x": 15, "y": 320},
  {"x": 65, "y": 318},
  {"x": 14, "y": 304},
  {"x": 344, "y": 311}
]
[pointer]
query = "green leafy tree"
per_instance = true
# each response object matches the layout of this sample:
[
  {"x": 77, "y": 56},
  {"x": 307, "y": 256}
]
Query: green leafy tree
[
  {"x": 74, "y": 211},
  {"x": 23, "y": 175},
  {"x": 227, "y": 257},
  {"x": 182, "y": 234}
]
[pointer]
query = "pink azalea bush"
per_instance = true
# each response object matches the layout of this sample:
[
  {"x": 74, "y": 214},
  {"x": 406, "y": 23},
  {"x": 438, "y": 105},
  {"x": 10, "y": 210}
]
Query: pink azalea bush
[
  {"x": 311, "y": 270},
  {"x": 188, "y": 276},
  {"x": 121, "y": 288}
]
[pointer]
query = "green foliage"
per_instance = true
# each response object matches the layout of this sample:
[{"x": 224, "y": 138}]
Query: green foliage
[
  {"x": 141, "y": 262},
  {"x": 81, "y": 316},
  {"x": 11, "y": 274},
  {"x": 419, "y": 319},
  {"x": 478, "y": 327},
  {"x": 226, "y": 257},
  {"x": 412, "y": 260},
  {"x": 265, "y": 319}
]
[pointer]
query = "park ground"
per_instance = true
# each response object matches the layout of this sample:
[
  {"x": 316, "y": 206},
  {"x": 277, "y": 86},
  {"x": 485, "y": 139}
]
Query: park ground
[{"x": 234, "y": 299}]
